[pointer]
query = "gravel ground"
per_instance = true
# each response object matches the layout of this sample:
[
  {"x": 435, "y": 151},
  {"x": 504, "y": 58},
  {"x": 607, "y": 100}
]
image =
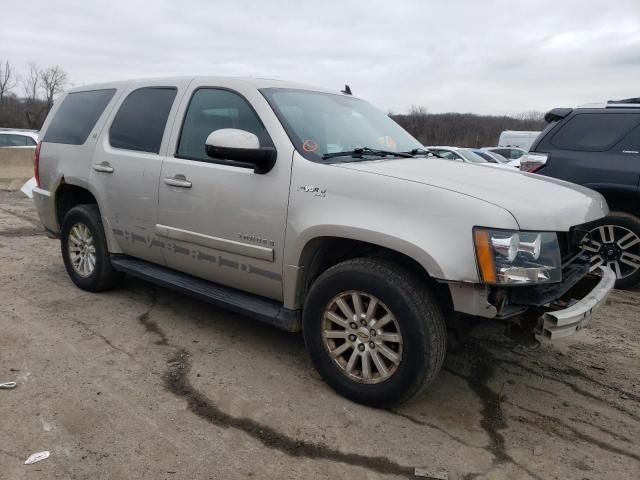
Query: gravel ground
[{"x": 141, "y": 382}]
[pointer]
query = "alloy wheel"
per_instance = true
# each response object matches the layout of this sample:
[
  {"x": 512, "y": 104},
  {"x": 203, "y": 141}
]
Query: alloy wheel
[
  {"x": 362, "y": 337},
  {"x": 613, "y": 246},
  {"x": 82, "y": 251}
]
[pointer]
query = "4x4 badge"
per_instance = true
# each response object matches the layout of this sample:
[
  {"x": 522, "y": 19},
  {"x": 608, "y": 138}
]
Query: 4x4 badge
[{"x": 317, "y": 191}]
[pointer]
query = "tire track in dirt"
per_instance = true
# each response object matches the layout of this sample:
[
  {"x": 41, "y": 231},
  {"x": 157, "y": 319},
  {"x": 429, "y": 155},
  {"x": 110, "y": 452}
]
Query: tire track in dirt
[
  {"x": 493, "y": 418},
  {"x": 559, "y": 428},
  {"x": 556, "y": 374},
  {"x": 177, "y": 382},
  {"x": 21, "y": 216}
]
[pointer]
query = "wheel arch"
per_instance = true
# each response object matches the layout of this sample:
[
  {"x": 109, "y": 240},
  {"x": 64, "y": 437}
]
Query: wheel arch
[
  {"x": 620, "y": 198},
  {"x": 69, "y": 194},
  {"x": 322, "y": 252}
]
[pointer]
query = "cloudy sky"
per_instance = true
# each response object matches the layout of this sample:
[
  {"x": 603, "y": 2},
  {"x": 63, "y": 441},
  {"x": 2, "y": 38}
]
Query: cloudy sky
[{"x": 489, "y": 56}]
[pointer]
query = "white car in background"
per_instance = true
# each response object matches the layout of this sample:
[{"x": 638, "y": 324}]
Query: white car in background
[
  {"x": 514, "y": 163},
  {"x": 510, "y": 153},
  {"x": 18, "y": 138},
  {"x": 466, "y": 155},
  {"x": 514, "y": 138},
  {"x": 492, "y": 157}
]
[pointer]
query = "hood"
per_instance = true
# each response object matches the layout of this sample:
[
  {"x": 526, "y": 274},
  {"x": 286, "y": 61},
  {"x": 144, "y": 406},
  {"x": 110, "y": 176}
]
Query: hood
[{"x": 536, "y": 202}]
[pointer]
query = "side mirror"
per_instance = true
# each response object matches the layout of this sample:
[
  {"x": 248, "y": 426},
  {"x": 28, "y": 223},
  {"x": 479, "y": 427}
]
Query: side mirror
[{"x": 240, "y": 148}]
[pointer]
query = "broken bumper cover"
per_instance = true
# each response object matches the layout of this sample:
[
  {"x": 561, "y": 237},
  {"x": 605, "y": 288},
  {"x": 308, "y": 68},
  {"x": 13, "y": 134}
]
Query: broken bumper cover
[{"x": 556, "y": 324}]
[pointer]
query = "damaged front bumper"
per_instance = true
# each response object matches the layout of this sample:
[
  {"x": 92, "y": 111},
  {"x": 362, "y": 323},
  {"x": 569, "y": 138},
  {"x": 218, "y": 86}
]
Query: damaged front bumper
[
  {"x": 550, "y": 311},
  {"x": 574, "y": 310}
]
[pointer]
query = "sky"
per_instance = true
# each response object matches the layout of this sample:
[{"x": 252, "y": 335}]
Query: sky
[{"x": 489, "y": 57}]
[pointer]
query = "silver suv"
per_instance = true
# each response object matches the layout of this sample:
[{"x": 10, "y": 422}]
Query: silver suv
[{"x": 311, "y": 210}]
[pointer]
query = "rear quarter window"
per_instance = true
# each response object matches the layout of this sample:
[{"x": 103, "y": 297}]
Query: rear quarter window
[
  {"x": 140, "y": 121},
  {"x": 594, "y": 132},
  {"x": 77, "y": 116}
]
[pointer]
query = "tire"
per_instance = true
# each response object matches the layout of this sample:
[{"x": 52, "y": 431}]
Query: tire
[
  {"x": 607, "y": 248},
  {"x": 102, "y": 276},
  {"x": 418, "y": 320}
]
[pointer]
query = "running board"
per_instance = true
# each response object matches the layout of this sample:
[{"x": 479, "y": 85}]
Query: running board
[{"x": 259, "y": 308}]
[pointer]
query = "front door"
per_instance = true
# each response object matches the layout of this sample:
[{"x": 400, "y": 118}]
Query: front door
[{"x": 223, "y": 223}]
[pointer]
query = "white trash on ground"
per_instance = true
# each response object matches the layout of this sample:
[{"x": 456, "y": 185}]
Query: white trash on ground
[
  {"x": 36, "y": 457},
  {"x": 434, "y": 475},
  {"x": 7, "y": 385},
  {"x": 28, "y": 187}
]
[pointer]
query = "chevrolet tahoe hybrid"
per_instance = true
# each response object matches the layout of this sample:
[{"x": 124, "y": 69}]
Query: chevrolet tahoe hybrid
[{"x": 311, "y": 210}]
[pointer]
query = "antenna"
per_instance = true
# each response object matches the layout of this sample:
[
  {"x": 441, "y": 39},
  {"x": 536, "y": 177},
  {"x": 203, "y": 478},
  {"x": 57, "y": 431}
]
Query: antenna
[{"x": 347, "y": 90}]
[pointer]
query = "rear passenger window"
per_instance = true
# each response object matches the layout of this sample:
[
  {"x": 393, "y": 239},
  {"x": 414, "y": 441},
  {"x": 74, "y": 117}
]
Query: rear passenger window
[
  {"x": 77, "y": 116},
  {"x": 594, "y": 132},
  {"x": 139, "y": 124},
  {"x": 211, "y": 109}
]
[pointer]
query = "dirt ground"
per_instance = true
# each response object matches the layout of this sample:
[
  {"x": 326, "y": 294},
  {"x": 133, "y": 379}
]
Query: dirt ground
[{"x": 142, "y": 382}]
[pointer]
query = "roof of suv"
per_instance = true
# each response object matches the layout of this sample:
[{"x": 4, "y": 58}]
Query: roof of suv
[
  {"x": 628, "y": 103},
  {"x": 250, "y": 81}
]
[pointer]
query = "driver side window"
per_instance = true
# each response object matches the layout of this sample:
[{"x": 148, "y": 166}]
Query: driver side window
[{"x": 212, "y": 109}]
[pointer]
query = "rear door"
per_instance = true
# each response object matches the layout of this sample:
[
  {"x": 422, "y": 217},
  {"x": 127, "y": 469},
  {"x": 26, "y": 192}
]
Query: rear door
[
  {"x": 221, "y": 222},
  {"x": 127, "y": 162},
  {"x": 598, "y": 149}
]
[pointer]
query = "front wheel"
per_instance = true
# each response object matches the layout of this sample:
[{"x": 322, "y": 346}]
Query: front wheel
[
  {"x": 615, "y": 243},
  {"x": 374, "y": 331}
]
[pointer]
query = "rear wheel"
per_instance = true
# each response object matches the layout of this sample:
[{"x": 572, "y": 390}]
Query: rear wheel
[
  {"x": 84, "y": 249},
  {"x": 374, "y": 331},
  {"x": 615, "y": 242}
]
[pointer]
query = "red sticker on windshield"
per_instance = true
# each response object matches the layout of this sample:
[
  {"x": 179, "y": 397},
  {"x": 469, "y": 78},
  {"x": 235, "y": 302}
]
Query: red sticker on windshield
[{"x": 309, "y": 146}]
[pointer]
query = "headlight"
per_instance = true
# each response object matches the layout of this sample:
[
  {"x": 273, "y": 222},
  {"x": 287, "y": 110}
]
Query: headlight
[{"x": 517, "y": 258}]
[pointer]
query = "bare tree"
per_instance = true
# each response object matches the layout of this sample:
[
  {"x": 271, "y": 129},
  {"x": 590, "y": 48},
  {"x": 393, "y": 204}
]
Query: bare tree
[
  {"x": 463, "y": 129},
  {"x": 31, "y": 83},
  {"x": 34, "y": 108},
  {"x": 53, "y": 81},
  {"x": 7, "y": 79}
]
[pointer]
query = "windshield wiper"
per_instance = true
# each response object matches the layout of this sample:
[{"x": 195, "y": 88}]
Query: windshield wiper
[{"x": 359, "y": 152}]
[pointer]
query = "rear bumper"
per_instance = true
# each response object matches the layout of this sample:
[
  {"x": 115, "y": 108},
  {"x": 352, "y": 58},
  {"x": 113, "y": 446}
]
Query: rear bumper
[
  {"x": 45, "y": 206},
  {"x": 560, "y": 323}
]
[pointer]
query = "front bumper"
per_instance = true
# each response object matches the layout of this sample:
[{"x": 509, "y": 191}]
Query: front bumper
[{"x": 577, "y": 314}]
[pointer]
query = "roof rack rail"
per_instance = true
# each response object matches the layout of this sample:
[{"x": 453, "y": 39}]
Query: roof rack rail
[
  {"x": 626, "y": 100},
  {"x": 631, "y": 102}
]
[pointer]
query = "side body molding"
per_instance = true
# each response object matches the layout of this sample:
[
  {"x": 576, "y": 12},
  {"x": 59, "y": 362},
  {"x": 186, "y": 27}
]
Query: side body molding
[{"x": 222, "y": 244}]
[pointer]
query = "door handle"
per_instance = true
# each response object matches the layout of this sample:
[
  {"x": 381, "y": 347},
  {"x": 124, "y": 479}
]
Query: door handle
[
  {"x": 103, "y": 167},
  {"x": 178, "y": 181}
]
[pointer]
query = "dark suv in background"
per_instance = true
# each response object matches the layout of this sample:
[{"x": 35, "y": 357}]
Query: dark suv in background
[{"x": 598, "y": 146}]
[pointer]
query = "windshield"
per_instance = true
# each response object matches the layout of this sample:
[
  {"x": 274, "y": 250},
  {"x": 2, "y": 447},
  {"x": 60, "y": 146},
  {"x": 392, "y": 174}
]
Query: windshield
[
  {"x": 470, "y": 156},
  {"x": 486, "y": 155},
  {"x": 323, "y": 123}
]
